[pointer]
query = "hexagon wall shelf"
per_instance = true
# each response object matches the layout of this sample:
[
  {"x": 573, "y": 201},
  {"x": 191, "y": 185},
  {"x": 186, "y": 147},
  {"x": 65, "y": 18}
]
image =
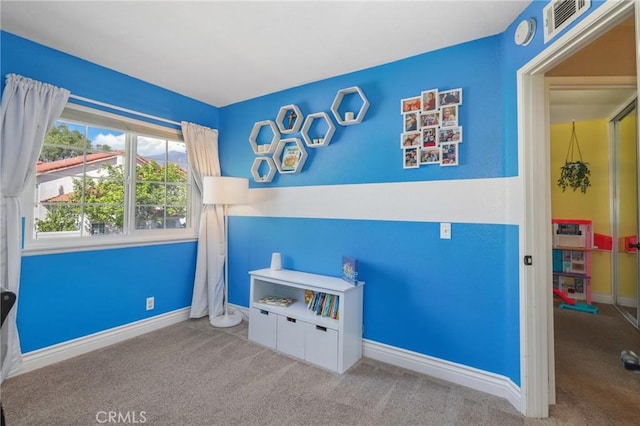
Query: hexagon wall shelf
[
  {"x": 322, "y": 141},
  {"x": 335, "y": 106},
  {"x": 290, "y": 164},
  {"x": 293, "y": 117},
  {"x": 253, "y": 137},
  {"x": 255, "y": 170}
]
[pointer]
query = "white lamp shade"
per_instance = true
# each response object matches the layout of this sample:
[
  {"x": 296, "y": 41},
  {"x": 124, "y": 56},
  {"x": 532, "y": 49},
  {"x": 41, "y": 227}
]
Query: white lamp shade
[{"x": 225, "y": 190}]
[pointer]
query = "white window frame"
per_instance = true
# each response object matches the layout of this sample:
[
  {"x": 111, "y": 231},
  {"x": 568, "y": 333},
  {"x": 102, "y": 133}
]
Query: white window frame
[{"x": 131, "y": 237}]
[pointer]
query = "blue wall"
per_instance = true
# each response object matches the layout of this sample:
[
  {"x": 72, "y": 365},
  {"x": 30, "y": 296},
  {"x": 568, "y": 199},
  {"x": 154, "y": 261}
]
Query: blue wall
[{"x": 67, "y": 296}]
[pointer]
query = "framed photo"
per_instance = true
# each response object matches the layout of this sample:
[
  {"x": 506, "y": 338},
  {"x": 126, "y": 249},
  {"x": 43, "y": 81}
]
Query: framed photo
[
  {"x": 449, "y": 154},
  {"x": 290, "y": 157},
  {"x": 450, "y": 97},
  {"x": 430, "y": 100},
  {"x": 430, "y": 156},
  {"x": 411, "y": 122},
  {"x": 450, "y": 134},
  {"x": 429, "y": 119},
  {"x": 410, "y": 139},
  {"x": 410, "y": 105},
  {"x": 429, "y": 137},
  {"x": 410, "y": 158},
  {"x": 449, "y": 116}
]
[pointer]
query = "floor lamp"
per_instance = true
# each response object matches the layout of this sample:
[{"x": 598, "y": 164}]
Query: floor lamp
[{"x": 223, "y": 190}]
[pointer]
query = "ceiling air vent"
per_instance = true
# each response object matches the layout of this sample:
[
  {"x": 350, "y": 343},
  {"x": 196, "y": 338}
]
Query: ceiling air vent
[{"x": 558, "y": 14}]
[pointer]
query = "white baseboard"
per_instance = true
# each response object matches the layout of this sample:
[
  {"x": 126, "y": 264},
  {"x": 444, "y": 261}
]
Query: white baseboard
[
  {"x": 628, "y": 302},
  {"x": 474, "y": 378},
  {"x": 72, "y": 348},
  {"x": 239, "y": 309},
  {"x": 602, "y": 298}
]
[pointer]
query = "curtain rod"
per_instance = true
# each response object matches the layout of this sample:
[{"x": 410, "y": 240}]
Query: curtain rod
[{"x": 129, "y": 111}]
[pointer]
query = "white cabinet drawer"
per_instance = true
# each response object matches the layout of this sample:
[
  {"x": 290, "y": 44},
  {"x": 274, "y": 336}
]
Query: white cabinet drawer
[
  {"x": 290, "y": 338},
  {"x": 321, "y": 346},
  {"x": 262, "y": 327}
]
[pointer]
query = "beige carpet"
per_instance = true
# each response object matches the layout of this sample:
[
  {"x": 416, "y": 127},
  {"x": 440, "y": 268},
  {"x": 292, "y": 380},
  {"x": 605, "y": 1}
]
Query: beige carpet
[{"x": 193, "y": 374}]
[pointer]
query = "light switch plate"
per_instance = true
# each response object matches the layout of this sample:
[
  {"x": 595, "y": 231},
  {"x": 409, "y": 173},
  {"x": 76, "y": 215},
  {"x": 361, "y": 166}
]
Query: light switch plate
[{"x": 445, "y": 231}]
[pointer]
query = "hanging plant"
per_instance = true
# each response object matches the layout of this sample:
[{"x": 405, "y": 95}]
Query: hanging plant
[{"x": 575, "y": 173}]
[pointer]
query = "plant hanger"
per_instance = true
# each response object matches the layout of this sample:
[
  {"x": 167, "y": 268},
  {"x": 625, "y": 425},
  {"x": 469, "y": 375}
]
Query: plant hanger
[
  {"x": 573, "y": 142},
  {"x": 575, "y": 173}
]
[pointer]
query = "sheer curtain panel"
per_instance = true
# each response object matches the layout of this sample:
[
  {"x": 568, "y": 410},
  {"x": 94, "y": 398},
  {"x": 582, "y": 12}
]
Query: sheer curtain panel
[
  {"x": 29, "y": 109},
  {"x": 208, "y": 286}
]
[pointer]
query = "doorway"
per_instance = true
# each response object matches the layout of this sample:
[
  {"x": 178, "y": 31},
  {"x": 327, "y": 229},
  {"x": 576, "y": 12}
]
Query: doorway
[
  {"x": 538, "y": 370},
  {"x": 625, "y": 277}
]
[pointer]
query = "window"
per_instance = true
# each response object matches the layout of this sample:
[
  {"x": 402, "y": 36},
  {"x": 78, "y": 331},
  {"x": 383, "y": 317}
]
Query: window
[{"x": 100, "y": 175}]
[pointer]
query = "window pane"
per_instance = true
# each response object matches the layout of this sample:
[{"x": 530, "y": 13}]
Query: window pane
[
  {"x": 77, "y": 174},
  {"x": 148, "y": 193},
  {"x": 161, "y": 184},
  {"x": 104, "y": 219},
  {"x": 150, "y": 217},
  {"x": 58, "y": 218}
]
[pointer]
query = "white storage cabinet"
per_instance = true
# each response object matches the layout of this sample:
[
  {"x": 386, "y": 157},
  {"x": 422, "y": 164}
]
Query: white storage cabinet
[{"x": 335, "y": 344}]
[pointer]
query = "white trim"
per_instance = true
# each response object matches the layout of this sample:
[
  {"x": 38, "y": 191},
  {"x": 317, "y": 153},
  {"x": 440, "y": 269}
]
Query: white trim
[
  {"x": 460, "y": 201},
  {"x": 125, "y": 110},
  {"x": 98, "y": 244},
  {"x": 537, "y": 368},
  {"x": 628, "y": 302},
  {"x": 470, "y": 377},
  {"x": 244, "y": 312},
  {"x": 72, "y": 348},
  {"x": 597, "y": 82},
  {"x": 605, "y": 298}
]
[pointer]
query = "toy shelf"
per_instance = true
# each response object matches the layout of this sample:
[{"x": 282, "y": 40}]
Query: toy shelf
[{"x": 572, "y": 246}]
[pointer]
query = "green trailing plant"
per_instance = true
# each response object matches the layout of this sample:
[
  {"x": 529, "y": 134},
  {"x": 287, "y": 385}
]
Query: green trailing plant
[{"x": 575, "y": 174}]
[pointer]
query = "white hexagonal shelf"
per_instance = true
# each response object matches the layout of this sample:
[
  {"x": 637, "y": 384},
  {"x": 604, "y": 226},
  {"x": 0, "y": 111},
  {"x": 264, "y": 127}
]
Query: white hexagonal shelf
[
  {"x": 290, "y": 156},
  {"x": 293, "y": 117},
  {"x": 255, "y": 170},
  {"x": 265, "y": 148},
  {"x": 317, "y": 142},
  {"x": 357, "y": 118}
]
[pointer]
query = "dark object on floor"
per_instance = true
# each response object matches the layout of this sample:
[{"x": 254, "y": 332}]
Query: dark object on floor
[
  {"x": 630, "y": 360},
  {"x": 7, "y": 298}
]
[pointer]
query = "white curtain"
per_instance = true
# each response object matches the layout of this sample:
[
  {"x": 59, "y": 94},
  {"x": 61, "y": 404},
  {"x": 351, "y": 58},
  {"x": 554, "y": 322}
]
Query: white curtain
[
  {"x": 29, "y": 109},
  {"x": 208, "y": 286}
]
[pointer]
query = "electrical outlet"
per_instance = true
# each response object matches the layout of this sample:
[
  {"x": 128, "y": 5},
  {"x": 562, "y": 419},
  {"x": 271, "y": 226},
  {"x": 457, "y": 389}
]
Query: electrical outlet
[{"x": 150, "y": 303}]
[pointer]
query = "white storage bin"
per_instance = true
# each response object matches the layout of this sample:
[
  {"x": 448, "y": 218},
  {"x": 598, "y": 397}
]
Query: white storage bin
[
  {"x": 290, "y": 338},
  {"x": 263, "y": 326},
  {"x": 321, "y": 346}
]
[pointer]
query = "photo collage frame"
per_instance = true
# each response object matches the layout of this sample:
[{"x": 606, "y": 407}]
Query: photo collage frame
[{"x": 431, "y": 128}]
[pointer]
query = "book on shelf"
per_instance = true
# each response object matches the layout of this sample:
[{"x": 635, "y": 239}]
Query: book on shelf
[
  {"x": 324, "y": 304},
  {"x": 277, "y": 301}
]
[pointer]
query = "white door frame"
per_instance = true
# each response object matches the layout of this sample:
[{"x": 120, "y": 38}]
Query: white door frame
[{"x": 537, "y": 369}]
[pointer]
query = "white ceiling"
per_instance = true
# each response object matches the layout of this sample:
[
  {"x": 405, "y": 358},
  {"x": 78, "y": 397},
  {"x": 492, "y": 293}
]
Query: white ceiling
[
  {"x": 587, "y": 104},
  {"x": 222, "y": 52}
]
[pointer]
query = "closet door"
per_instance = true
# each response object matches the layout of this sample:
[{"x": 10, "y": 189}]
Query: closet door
[{"x": 626, "y": 264}]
